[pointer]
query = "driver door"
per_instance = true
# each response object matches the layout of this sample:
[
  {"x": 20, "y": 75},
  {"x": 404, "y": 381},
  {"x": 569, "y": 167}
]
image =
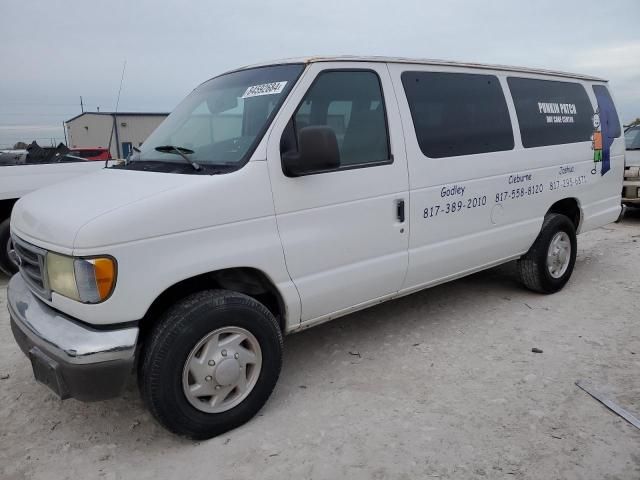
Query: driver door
[{"x": 343, "y": 231}]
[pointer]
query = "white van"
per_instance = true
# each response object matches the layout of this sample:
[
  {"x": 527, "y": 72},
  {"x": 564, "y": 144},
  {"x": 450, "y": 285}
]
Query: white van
[{"x": 279, "y": 196}]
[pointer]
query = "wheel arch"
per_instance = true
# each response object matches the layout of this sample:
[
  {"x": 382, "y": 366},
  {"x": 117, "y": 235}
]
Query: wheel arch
[
  {"x": 569, "y": 207},
  {"x": 247, "y": 280},
  {"x": 6, "y": 206}
]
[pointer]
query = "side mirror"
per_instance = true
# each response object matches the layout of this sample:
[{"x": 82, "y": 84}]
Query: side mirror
[{"x": 318, "y": 152}]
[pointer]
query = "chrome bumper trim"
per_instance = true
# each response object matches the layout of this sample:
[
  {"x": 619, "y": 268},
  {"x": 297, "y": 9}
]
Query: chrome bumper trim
[{"x": 62, "y": 336}]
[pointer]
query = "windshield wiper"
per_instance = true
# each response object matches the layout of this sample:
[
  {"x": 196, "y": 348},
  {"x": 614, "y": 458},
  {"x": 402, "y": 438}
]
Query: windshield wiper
[{"x": 183, "y": 152}]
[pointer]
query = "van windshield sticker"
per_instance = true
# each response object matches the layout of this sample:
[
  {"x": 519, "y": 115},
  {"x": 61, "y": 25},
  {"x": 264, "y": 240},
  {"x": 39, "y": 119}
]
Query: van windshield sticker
[
  {"x": 264, "y": 89},
  {"x": 557, "y": 112}
]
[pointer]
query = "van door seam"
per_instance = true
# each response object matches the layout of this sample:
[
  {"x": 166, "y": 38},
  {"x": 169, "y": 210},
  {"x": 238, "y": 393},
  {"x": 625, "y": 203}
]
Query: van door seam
[{"x": 408, "y": 220}]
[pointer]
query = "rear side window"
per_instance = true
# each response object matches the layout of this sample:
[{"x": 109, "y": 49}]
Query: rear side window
[
  {"x": 457, "y": 113},
  {"x": 607, "y": 111},
  {"x": 551, "y": 112},
  {"x": 351, "y": 103}
]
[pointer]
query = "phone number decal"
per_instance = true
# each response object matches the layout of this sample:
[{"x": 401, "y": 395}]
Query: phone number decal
[
  {"x": 454, "y": 206},
  {"x": 520, "y": 192},
  {"x": 514, "y": 191},
  {"x": 567, "y": 182}
]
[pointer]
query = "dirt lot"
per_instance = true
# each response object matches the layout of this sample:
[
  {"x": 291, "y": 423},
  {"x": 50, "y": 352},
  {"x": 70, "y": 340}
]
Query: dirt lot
[{"x": 441, "y": 384}]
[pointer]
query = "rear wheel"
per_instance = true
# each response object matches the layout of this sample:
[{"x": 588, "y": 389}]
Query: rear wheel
[
  {"x": 211, "y": 363},
  {"x": 8, "y": 259},
  {"x": 548, "y": 264}
]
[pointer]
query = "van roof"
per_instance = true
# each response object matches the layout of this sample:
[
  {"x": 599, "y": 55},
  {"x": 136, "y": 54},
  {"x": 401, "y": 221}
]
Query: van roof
[{"x": 419, "y": 61}]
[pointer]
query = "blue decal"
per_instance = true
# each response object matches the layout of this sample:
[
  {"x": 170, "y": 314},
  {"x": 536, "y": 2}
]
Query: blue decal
[{"x": 607, "y": 116}]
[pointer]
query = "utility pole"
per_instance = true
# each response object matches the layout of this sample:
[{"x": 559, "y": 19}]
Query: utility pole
[
  {"x": 81, "y": 105},
  {"x": 64, "y": 130}
]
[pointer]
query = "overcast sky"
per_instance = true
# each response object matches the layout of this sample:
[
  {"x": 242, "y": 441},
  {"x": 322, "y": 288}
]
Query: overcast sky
[{"x": 51, "y": 52}]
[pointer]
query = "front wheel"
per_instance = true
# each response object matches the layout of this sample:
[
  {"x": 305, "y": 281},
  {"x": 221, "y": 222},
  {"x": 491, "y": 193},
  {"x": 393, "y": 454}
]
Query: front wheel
[
  {"x": 548, "y": 264},
  {"x": 211, "y": 363}
]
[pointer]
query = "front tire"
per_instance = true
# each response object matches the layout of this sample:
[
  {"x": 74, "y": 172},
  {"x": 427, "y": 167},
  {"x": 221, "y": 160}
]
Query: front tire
[
  {"x": 548, "y": 264},
  {"x": 210, "y": 363}
]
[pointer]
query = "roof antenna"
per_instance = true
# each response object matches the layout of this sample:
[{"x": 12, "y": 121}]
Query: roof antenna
[{"x": 106, "y": 162}]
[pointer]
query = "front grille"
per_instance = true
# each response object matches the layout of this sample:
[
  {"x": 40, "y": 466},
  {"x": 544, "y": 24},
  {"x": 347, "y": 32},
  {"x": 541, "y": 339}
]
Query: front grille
[{"x": 31, "y": 260}]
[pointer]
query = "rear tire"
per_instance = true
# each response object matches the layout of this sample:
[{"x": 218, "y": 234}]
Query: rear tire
[
  {"x": 7, "y": 264},
  {"x": 547, "y": 266},
  {"x": 179, "y": 339}
]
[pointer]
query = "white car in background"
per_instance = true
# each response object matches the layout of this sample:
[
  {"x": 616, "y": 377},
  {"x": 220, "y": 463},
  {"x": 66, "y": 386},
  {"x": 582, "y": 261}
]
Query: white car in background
[
  {"x": 18, "y": 177},
  {"x": 631, "y": 185}
]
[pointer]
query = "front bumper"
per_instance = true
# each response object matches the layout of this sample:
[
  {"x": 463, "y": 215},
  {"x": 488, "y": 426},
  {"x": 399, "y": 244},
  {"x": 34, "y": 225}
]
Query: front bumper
[
  {"x": 631, "y": 191},
  {"x": 631, "y": 185},
  {"x": 71, "y": 358}
]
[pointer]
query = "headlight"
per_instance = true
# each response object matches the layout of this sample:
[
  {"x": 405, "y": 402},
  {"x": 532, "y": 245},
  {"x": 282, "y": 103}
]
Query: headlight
[{"x": 88, "y": 280}]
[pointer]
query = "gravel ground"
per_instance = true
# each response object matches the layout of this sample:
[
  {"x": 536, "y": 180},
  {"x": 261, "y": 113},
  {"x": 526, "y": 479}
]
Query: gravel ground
[{"x": 440, "y": 384}]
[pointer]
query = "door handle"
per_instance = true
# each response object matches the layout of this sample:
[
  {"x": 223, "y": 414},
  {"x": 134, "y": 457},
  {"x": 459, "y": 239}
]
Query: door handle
[{"x": 400, "y": 210}]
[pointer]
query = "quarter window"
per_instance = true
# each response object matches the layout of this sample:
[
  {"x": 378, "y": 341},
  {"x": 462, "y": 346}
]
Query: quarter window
[
  {"x": 351, "y": 103},
  {"x": 551, "y": 112},
  {"x": 457, "y": 113}
]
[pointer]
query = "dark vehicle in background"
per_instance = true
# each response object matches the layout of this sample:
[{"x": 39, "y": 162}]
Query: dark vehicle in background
[
  {"x": 631, "y": 185},
  {"x": 91, "y": 153}
]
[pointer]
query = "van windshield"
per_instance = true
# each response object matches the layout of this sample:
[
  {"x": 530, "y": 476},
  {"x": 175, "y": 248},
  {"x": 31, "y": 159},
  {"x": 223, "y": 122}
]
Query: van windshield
[
  {"x": 222, "y": 121},
  {"x": 632, "y": 138}
]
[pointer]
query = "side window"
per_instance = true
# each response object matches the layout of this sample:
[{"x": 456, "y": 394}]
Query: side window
[
  {"x": 457, "y": 113},
  {"x": 551, "y": 112},
  {"x": 351, "y": 103},
  {"x": 607, "y": 111}
]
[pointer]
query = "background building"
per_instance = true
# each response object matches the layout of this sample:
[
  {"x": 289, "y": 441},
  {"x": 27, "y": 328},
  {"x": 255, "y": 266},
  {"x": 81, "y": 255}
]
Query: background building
[{"x": 124, "y": 130}]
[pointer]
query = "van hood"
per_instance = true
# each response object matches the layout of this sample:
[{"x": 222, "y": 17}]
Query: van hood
[
  {"x": 56, "y": 213},
  {"x": 89, "y": 213}
]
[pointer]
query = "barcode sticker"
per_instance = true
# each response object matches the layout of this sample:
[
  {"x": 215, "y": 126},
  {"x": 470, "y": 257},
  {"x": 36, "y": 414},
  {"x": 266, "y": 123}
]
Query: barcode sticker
[{"x": 264, "y": 89}]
